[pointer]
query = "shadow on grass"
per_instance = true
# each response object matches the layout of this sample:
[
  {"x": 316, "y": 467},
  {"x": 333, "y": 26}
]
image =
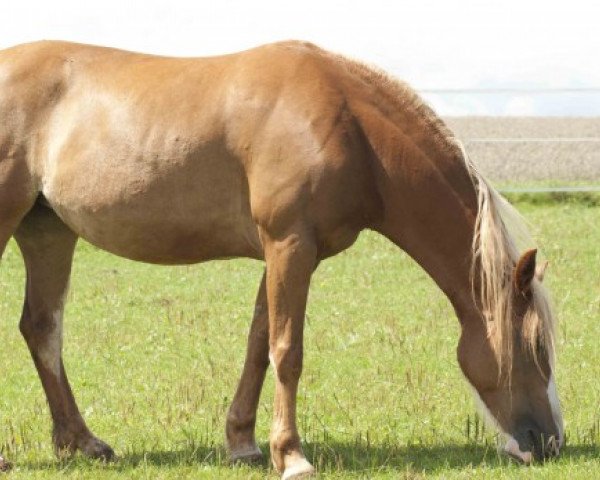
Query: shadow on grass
[{"x": 327, "y": 457}]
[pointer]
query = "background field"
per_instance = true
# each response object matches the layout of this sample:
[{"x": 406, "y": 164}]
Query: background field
[
  {"x": 549, "y": 151},
  {"x": 154, "y": 354}
]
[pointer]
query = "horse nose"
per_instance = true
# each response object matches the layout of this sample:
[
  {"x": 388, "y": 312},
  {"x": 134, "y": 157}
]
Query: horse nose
[
  {"x": 532, "y": 444},
  {"x": 544, "y": 446},
  {"x": 552, "y": 447},
  {"x": 534, "y": 439}
]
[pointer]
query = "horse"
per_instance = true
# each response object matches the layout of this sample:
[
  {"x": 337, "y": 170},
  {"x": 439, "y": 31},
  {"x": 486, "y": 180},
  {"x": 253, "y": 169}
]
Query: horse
[{"x": 282, "y": 153}]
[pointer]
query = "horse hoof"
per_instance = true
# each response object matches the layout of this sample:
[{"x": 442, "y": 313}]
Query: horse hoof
[
  {"x": 96, "y": 448},
  {"x": 247, "y": 455},
  {"x": 300, "y": 469},
  {"x": 4, "y": 465}
]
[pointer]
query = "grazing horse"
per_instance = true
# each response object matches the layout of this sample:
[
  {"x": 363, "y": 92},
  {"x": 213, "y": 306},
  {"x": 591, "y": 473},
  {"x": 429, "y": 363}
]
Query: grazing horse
[{"x": 282, "y": 153}]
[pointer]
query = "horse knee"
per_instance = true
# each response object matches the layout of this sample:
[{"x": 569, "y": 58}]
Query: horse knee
[
  {"x": 26, "y": 324},
  {"x": 37, "y": 328},
  {"x": 43, "y": 334},
  {"x": 287, "y": 362}
]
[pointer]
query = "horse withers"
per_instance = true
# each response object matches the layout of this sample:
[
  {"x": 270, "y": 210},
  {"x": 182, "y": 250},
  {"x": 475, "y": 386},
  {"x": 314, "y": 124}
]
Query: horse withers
[{"x": 283, "y": 153}]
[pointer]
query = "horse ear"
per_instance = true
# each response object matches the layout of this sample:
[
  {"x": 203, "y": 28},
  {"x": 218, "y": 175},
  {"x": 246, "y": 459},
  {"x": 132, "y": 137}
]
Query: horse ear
[
  {"x": 525, "y": 271},
  {"x": 540, "y": 271}
]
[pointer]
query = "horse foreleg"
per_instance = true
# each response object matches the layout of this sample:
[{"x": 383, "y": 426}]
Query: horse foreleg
[
  {"x": 291, "y": 259},
  {"x": 47, "y": 246},
  {"x": 241, "y": 418}
]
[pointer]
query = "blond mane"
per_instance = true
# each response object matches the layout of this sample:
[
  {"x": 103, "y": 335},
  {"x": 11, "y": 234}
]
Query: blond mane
[
  {"x": 402, "y": 104},
  {"x": 499, "y": 239}
]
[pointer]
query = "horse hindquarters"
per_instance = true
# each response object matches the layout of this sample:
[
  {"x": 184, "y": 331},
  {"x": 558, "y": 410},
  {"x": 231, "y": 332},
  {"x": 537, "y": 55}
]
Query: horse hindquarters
[{"x": 17, "y": 195}]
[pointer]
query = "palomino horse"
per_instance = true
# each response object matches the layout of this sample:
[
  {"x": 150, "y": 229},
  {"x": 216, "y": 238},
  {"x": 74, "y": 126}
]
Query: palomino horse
[{"x": 282, "y": 153}]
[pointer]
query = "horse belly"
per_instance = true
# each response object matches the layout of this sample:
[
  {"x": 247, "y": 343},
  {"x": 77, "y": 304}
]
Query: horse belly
[{"x": 158, "y": 208}]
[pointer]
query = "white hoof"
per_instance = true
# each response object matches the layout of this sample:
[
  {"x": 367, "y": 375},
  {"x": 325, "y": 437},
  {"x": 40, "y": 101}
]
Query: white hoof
[{"x": 301, "y": 469}]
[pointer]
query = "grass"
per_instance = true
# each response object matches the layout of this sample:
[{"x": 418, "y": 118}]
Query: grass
[{"x": 154, "y": 353}]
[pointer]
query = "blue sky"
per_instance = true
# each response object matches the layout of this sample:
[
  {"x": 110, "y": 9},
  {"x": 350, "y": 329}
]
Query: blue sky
[{"x": 458, "y": 44}]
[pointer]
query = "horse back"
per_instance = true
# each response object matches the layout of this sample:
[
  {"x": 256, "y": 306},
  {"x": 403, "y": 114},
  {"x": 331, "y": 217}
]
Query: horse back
[{"x": 177, "y": 152}]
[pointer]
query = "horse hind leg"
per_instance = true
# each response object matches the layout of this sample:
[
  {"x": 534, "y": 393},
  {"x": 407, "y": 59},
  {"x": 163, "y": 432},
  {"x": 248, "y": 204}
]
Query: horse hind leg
[
  {"x": 47, "y": 246},
  {"x": 17, "y": 197},
  {"x": 241, "y": 417},
  {"x": 7, "y": 227}
]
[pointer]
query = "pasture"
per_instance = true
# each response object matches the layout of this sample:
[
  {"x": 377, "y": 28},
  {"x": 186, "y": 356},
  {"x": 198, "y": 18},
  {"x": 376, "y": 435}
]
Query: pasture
[{"x": 154, "y": 353}]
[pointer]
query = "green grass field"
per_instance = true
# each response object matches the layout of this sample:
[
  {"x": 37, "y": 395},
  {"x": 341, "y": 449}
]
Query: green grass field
[{"x": 154, "y": 353}]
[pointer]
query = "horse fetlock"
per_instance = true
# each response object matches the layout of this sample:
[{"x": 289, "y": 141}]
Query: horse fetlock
[
  {"x": 286, "y": 450},
  {"x": 239, "y": 437},
  {"x": 65, "y": 441},
  {"x": 238, "y": 422}
]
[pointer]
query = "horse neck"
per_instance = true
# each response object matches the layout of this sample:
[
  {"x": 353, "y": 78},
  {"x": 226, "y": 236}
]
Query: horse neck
[{"x": 430, "y": 209}]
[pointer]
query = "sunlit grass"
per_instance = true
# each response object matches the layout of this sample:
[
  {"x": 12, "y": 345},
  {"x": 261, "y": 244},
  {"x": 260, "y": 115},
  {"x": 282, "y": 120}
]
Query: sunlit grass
[{"x": 154, "y": 353}]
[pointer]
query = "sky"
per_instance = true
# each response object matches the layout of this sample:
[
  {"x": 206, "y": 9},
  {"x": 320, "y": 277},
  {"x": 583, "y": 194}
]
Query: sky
[{"x": 436, "y": 46}]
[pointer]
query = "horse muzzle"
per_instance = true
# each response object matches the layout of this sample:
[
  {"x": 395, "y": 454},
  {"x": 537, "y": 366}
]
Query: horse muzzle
[{"x": 532, "y": 445}]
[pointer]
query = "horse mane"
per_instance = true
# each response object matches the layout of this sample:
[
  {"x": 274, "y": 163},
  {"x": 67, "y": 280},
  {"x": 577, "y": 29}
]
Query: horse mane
[
  {"x": 402, "y": 104},
  {"x": 500, "y": 236},
  {"x": 500, "y": 231}
]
